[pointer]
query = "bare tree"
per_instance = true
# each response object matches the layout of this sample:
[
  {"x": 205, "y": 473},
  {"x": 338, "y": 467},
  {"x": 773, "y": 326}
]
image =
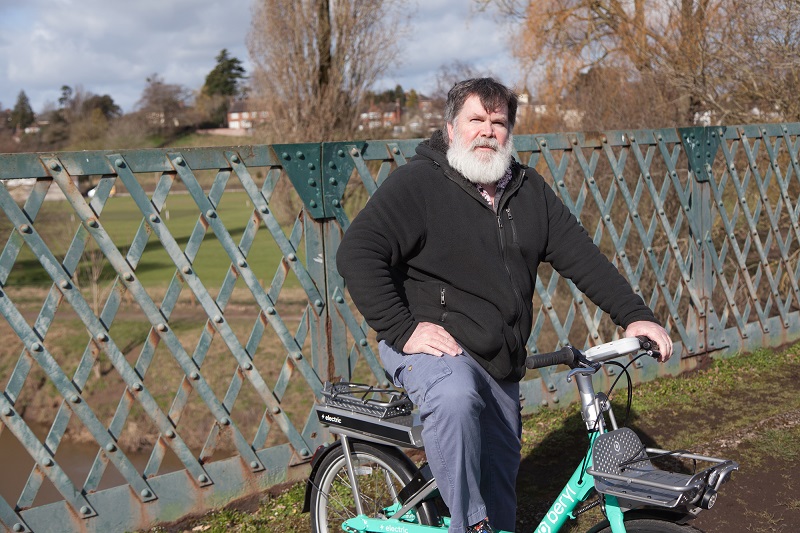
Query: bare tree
[
  {"x": 701, "y": 56},
  {"x": 314, "y": 60}
]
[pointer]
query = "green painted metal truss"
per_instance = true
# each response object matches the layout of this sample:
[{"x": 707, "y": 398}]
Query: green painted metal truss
[{"x": 218, "y": 375}]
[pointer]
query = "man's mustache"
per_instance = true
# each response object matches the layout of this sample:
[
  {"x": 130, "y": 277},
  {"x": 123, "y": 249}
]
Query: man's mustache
[{"x": 485, "y": 143}]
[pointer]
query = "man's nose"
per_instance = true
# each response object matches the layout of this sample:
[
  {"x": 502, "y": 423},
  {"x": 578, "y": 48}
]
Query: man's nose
[{"x": 486, "y": 129}]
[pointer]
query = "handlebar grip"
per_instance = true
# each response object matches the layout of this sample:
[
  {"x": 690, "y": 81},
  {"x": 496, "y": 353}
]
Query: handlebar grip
[{"x": 564, "y": 356}]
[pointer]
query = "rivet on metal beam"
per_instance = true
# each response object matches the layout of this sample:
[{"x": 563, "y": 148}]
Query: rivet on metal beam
[
  {"x": 270, "y": 310},
  {"x": 291, "y": 257},
  {"x": 543, "y": 142},
  {"x": 225, "y": 421},
  {"x": 234, "y": 158},
  {"x": 202, "y": 478},
  {"x": 339, "y": 299},
  {"x": 161, "y": 327},
  {"x": 544, "y": 402},
  {"x": 299, "y": 155},
  {"x": 137, "y": 386},
  {"x": 311, "y": 166},
  {"x": 170, "y": 434},
  {"x": 331, "y": 164},
  {"x": 25, "y": 228},
  {"x": 363, "y": 342},
  {"x": 64, "y": 284},
  {"x": 36, "y": 347},
  {"x": 285, "y": 155},
  {"x": 153, "y": 218},
  {"x": 247, "y": 366},
  {"x": 255, "y": 465},
  {"x": 86, "y": 510},
  {"x": 312, "y": 182},
  {"x": 304, "y": 452},
  {"x": 332, "y": 181},
  {"x": 312, "y": 203},
  {"x": 218, "y": 319},
  {"x": 47, "y": 462},
  {"x": 264, "y": 209},
  {"x": 336, "y": 203},
  {"x": 194, "y": 375},
  {"x": 75, "y": 398},
  {"x": 276, "y": 410},
  {"x": 241, "y": 262},
  {"x": 186, "y": 269},
  {"x": 354, "y": 152},
  {"x": 7, "y": 411},
  {"x": 179, "y": 161},
  {"x": 297, "y": 356},
  {"x": 119, "y": 163},
  {"x": 318, "y": 303},
  {"x": 128, "y": 276},
  {"x": 18, "y": 527},
  {"x": 53, "y": 165},
  {"x": 210, "y": 213},
  {"x": 110, "y": 447},
  {"x": 556, "y": 400},
  {"x": 340, "y": 152},
  {"x": 93, "y": 223},
  {"x": 560, "y": 183},
  {"x": 146, "y": 493}
]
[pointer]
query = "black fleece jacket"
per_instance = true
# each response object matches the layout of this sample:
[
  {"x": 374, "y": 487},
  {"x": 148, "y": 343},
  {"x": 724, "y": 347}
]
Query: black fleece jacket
[{"x": 428, "y": 248}]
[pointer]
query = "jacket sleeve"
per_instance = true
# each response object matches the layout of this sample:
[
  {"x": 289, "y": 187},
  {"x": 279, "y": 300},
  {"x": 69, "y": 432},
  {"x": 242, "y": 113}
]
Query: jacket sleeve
[
  {"x": 574, "y": 255},
  {"x": 389, "y": 229}
]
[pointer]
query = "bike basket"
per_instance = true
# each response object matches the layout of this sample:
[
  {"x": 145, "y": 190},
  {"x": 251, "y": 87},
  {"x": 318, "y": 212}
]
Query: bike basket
[
  {"x": 622, "y": 468},
  {"x": 367, "y": 400}
]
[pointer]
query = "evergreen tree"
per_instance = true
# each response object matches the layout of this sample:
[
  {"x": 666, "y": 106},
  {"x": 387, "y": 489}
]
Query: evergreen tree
[
  {"x": 226, "y": 76},
  {"x": 22, "y": 115}
]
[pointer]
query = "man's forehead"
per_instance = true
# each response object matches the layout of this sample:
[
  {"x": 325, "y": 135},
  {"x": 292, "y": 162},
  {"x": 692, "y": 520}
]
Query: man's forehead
[{"x": 474, "y": 105}]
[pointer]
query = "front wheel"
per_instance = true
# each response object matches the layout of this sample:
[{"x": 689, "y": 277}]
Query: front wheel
[
  {"x": 650, "y": 525},
  {"x": 381, "y": 475}
]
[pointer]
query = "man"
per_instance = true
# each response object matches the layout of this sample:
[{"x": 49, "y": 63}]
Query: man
[{"x": 442, "y": 263}]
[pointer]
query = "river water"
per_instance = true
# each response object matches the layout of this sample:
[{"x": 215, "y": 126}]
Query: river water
[{"x": 74, "y": 458}]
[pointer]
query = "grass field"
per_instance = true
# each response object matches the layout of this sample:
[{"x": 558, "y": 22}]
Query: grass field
[{"x": 121, "y": 218}]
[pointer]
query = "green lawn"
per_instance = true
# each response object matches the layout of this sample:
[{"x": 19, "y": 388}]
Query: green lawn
[{"x": 121, "y": 219}]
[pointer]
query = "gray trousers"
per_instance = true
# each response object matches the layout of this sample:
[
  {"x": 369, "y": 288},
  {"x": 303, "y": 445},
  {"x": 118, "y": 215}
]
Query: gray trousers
[{"x": 471, "y": 430}]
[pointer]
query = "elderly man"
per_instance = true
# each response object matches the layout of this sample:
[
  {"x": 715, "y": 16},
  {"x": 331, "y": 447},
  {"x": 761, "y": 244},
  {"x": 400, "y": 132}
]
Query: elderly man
[{"x": 442, "y": 263}]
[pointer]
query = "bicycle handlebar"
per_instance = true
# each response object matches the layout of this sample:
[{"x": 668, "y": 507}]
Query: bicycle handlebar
[
  {"x": 564, "y": 356},
  {"x": 572, "y": 357}
]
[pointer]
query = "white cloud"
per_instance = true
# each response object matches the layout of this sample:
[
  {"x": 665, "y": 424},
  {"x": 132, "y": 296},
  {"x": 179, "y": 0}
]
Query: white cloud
[{"x": 112, "y": 46}]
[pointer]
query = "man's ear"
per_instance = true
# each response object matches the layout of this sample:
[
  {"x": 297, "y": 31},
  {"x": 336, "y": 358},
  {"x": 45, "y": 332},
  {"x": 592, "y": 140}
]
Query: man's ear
[{"x": 449, "y": 133}]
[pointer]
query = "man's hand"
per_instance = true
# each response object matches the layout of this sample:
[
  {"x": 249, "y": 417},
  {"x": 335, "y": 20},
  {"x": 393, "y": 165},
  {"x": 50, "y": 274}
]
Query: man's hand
[
  {"x": 432, "y": 339},
  {"x": 654, "y": 332}
]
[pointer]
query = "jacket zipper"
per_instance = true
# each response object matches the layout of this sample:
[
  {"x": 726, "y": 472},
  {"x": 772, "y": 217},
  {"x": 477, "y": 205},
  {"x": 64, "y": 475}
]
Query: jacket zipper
[
  {"x": 517, "y": 295},
  {"x": 443, "y": 301},
  {"x": 513, "y": 226}
]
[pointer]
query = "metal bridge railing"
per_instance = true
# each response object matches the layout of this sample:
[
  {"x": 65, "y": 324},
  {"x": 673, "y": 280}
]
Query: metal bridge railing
[{"x": 183, "y": 319}]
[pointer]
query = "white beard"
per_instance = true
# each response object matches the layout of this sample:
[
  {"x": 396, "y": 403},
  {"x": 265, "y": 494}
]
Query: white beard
[{"x": 477, "y": 167}]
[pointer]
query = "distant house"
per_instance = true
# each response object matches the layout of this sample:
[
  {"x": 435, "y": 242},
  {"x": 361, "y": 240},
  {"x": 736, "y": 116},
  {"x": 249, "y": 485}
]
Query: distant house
[
  {"x": 243, "y": 116},
  {"x": 380, "y": 116}
]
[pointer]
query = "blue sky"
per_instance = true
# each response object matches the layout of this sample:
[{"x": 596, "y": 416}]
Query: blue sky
[{"x": 112, "y": 46}]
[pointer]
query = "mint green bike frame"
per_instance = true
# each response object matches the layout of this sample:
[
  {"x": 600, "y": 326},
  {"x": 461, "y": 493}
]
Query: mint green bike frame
[{"x": 574, "y": 492}]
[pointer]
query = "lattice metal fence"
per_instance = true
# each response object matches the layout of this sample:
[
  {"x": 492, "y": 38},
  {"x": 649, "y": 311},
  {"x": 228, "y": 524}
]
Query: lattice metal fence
[{"x": 196, "y": 388}]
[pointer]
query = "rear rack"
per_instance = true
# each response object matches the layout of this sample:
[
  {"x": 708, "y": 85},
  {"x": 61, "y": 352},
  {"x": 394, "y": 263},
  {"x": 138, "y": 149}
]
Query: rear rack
[
  {"x": 622, "y": 468},
  {"x": 366, "y": 413},
  {"x": 366, "y": 399}
]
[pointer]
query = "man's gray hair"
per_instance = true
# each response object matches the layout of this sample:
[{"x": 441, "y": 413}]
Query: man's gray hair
[{"x": 491, "y": 92}]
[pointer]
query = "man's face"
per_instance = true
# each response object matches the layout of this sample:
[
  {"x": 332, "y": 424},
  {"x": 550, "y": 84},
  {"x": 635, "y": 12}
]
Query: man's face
[{"x": 481, "y": 129}]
